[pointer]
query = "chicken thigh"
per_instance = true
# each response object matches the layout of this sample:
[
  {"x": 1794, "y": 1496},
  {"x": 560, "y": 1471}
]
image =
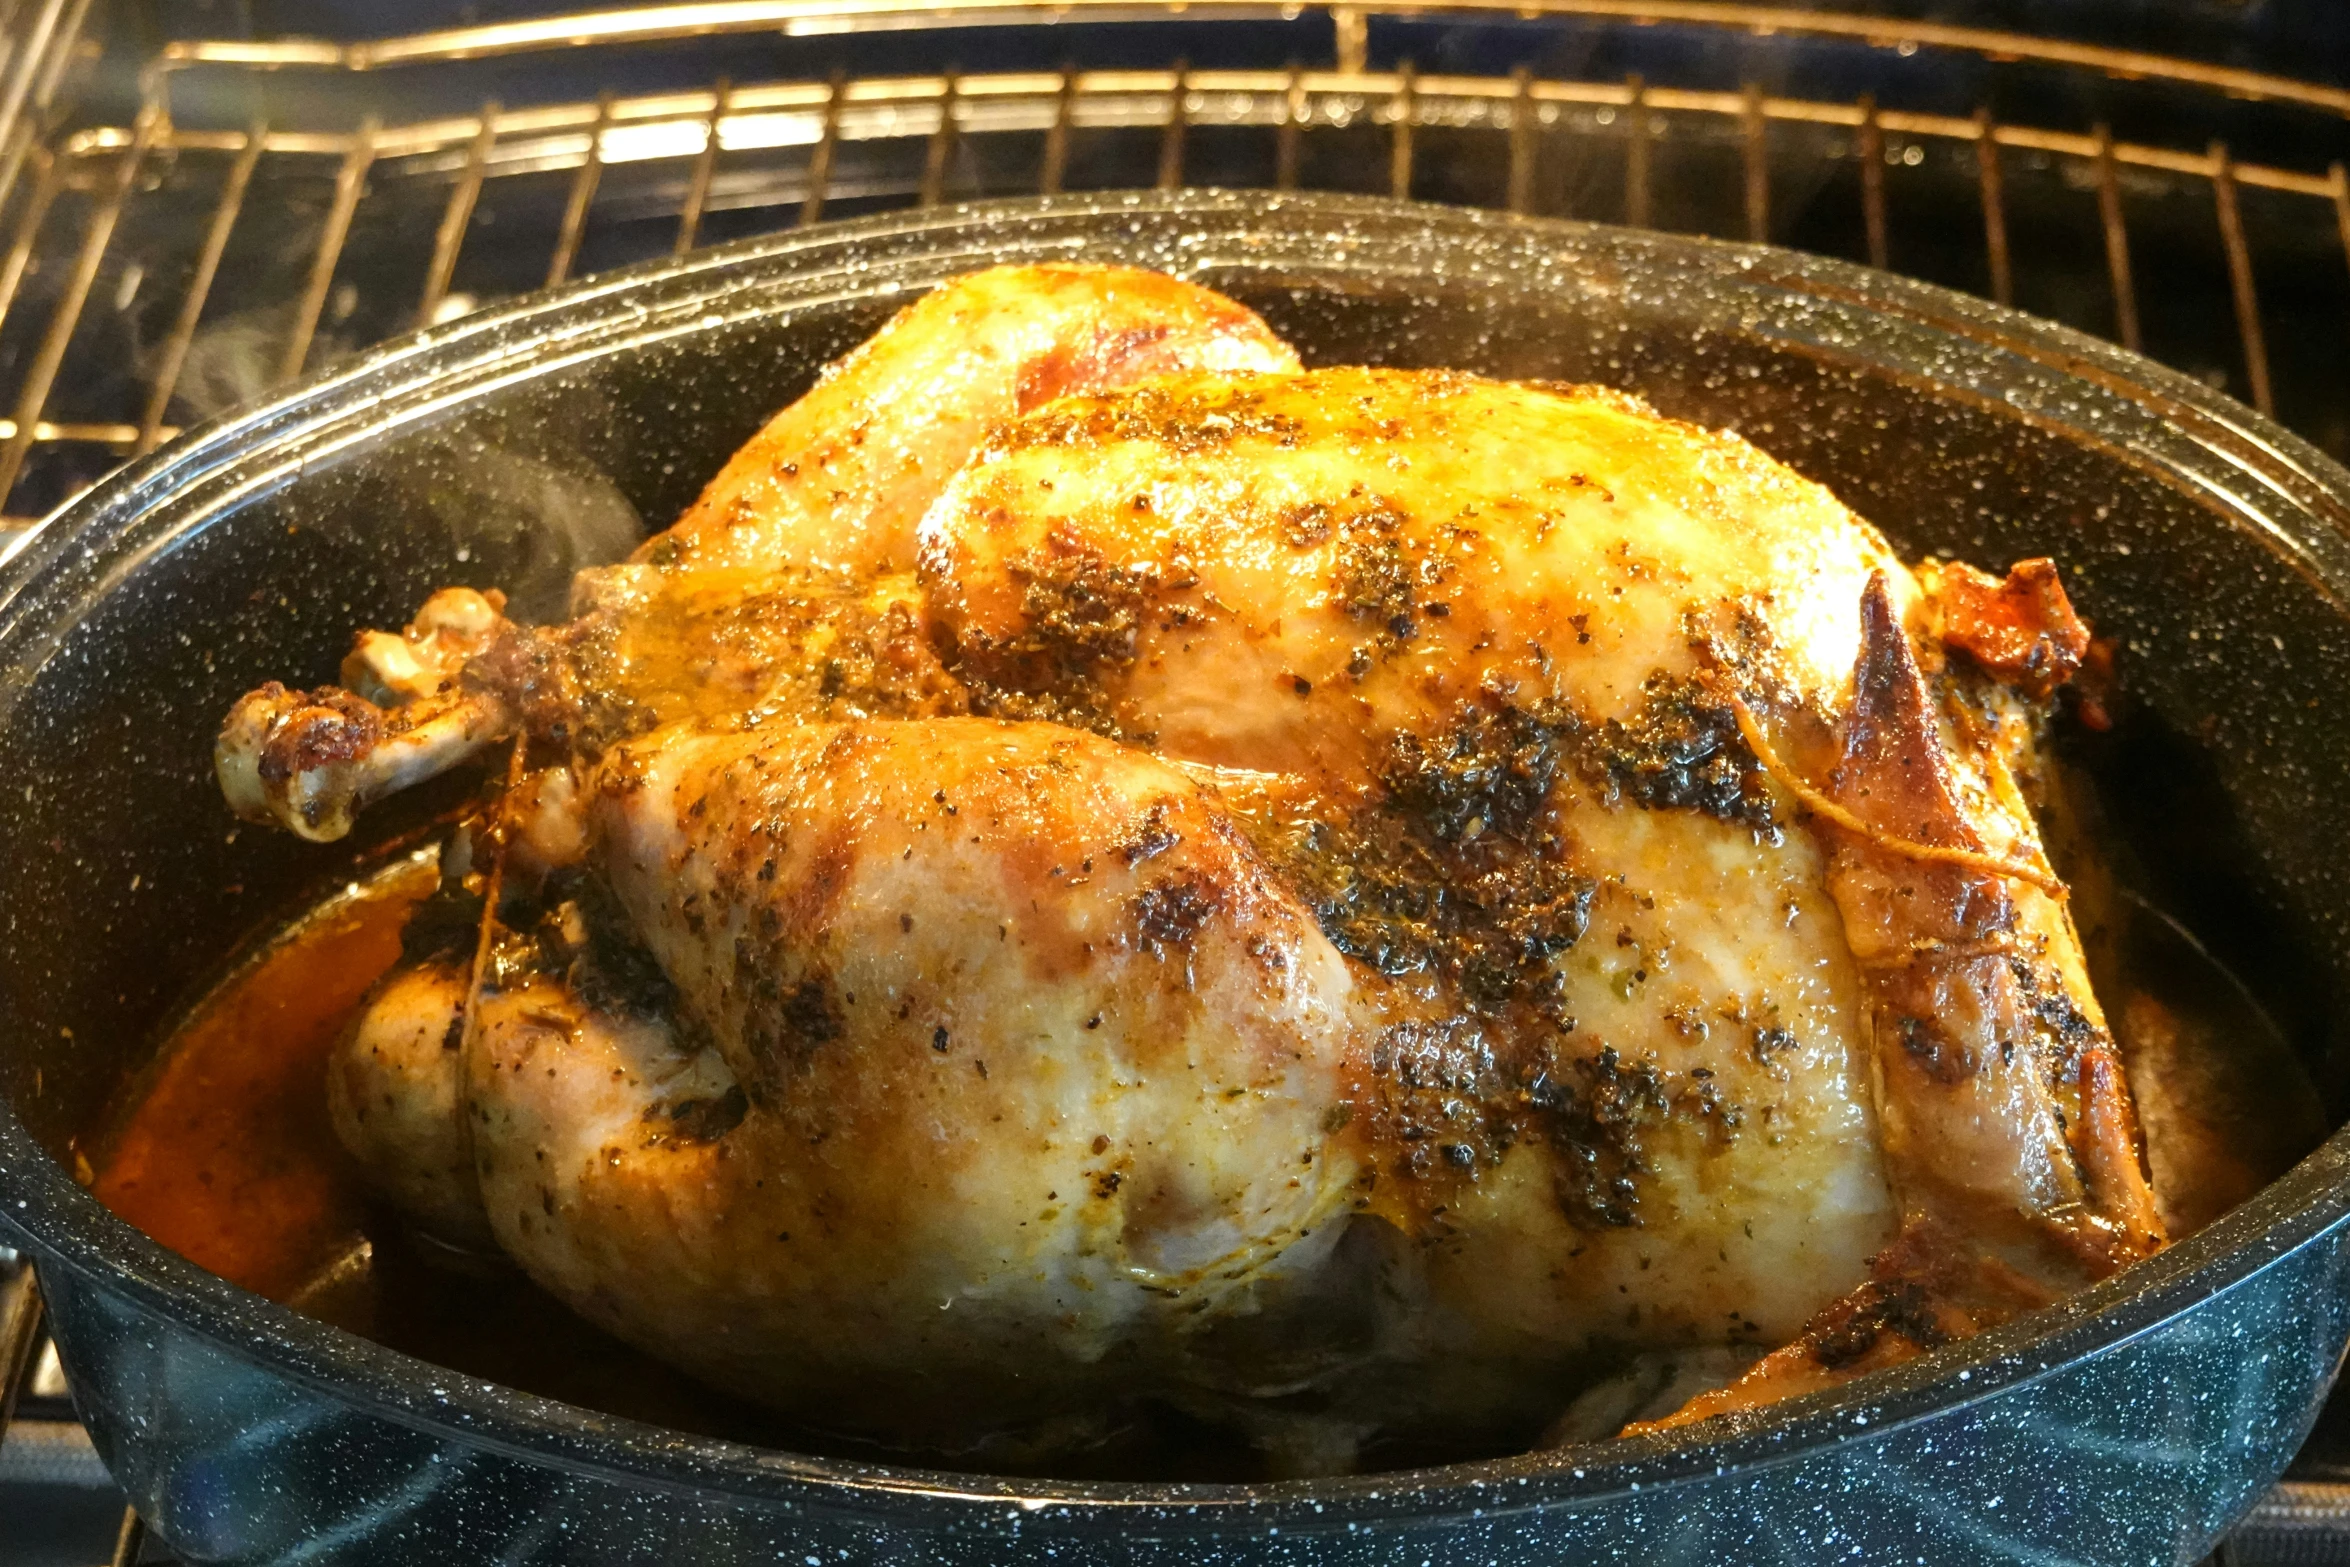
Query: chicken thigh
[{"x": 1095, "y": 864}]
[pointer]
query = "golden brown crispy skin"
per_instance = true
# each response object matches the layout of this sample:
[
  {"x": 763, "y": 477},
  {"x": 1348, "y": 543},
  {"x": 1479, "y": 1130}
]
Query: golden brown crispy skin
[
  {"x": 1037, "y": 1069},
  {"x": 1978, "y": 1024},
  {"x": 1281, "y": 572},
  {"x": 1461, "y": 654},
  {"x": 840, "y": 478}
]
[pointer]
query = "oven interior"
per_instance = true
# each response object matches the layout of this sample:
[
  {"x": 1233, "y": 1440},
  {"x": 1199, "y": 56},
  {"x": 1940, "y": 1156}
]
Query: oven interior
[{"x": 202, "y": 201}]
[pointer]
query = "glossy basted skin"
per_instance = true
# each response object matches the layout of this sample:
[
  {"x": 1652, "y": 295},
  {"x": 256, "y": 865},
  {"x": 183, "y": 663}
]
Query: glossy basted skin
[
  {"x": 840, "y": 478},
  {"x": 1386, "y": 888},
  {"x": 822, "y": 500},
  {"x": 1314, "y": 566},
  {"x": 1304, "y": 565},
  {"x": 1038, "y": 1063},
  {"x": 395, "y": 1090}
]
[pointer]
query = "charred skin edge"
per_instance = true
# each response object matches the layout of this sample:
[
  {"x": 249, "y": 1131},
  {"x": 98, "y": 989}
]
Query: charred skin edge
[{"x": 1931, "y": 1287}]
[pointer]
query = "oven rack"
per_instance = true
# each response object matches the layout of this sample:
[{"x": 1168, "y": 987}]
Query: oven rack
[{"x": 586, "y": 183}]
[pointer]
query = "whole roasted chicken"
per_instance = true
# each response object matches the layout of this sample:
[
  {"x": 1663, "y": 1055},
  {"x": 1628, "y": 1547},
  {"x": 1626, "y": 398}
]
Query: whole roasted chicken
[{"x": 1096, "y": 864}]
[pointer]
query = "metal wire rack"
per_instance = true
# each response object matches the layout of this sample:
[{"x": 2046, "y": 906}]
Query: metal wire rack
[
  {"x": 147, "y": 215},
  {"x": 257, "y": 208}
]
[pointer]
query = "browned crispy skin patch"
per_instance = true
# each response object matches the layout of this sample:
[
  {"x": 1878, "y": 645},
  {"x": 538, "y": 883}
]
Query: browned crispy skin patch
[
  {"x": 319, "y": 728},
  {"x": 1978, "y": 1042},
  {"x": 656, "y": 647},
  {"x": 2006, "y": 1200},
  {"x": 1080, "y": 619},
  {"x": 2021, "y": 630},
  {"x": 1173, "y": 417}
]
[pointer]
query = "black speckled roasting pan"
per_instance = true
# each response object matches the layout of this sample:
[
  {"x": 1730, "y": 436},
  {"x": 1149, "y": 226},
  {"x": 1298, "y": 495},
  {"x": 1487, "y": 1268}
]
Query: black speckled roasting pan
[{"x": 2132, "y": 1423}]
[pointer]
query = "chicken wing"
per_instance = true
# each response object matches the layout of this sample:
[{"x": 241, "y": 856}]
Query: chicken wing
[{"x": 840, "y": 478}]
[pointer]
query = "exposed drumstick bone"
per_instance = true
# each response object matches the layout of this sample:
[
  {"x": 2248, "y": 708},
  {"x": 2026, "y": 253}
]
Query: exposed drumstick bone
[
  {"x": 811, "y": 491},
  {"x": 309, "y": 761}
]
